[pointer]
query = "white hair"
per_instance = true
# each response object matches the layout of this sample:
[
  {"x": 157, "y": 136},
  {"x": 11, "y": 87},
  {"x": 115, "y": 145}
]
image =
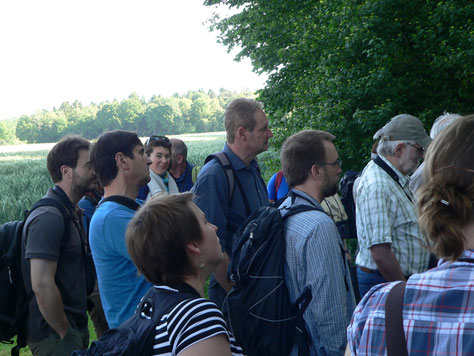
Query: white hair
[
  {"x": 387, "y": 148},
  {"x": 442, "y": 122}
]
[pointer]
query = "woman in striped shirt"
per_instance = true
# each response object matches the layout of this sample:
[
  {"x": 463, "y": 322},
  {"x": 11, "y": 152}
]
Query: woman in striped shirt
[{"x": 176, "y": 248}]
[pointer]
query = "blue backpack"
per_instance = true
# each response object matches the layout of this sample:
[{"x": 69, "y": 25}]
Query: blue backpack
[{"x": 258, "y": 309}]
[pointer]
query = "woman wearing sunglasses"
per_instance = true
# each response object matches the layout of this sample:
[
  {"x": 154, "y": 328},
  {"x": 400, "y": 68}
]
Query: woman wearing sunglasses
[{"x": 158, "y": 148}]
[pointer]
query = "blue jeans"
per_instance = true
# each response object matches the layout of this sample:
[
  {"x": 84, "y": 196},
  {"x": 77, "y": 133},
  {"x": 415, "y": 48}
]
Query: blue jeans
[{"x": 368, "y": 280}]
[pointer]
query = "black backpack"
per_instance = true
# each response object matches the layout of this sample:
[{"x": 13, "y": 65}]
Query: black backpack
[
  {"x": 258, "y": 309},
  {"x": 347, "y": 198},
  {"x": 14, "y": 299},
  {"x": 136, "y": 335}
]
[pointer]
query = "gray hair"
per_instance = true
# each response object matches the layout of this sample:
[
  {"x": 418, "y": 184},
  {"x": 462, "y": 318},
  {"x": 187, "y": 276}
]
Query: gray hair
[
  {"x": 442, "y": 122},
  {"x": 178, "y": 147},
  {"x": 387, "y": 148}
]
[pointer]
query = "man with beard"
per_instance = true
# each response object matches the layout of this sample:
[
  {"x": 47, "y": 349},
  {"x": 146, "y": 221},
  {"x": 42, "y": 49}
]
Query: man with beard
[
  {"x": 54, "y": 268},
  {"x": 118, "y": 158},
  {"x": 391, "y": 245},
  {"x": 315, "y": 257}
]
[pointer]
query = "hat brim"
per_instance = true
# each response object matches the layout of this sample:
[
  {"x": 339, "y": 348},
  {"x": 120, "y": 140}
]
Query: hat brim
[{"x": 425, "y": 142}]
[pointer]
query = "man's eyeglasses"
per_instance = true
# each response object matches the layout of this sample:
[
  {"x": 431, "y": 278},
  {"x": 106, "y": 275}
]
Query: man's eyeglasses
[
  {"x": 156, "y": 138},
  {"x": 337, "y": 162},
  {"x": 417, "y": 147}
]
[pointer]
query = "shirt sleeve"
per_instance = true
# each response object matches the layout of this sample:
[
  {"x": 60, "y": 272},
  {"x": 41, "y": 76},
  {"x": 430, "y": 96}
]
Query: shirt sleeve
[
  {"x": 271, "y": 188},
  {"x": 193, "y": 321},
  {"x": 211, "y": 196},
  {"x": 44, "y": 234},
  {"x": 327, "y": 315},
  {"x": 374, "y": 206}
]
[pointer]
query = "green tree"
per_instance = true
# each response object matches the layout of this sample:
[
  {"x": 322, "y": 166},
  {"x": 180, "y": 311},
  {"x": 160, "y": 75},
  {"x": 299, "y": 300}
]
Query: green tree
[
  {"x": 349, "y": 66},
  {"x": 7, "y": 133}
]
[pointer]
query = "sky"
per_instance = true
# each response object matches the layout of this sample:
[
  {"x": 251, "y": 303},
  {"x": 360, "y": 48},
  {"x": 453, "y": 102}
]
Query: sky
[{"x": 54, "y": 51}]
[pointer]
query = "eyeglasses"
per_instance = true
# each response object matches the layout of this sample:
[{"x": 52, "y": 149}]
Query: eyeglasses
[
  {"x": 156, "y": 138},
  {"x": 337, "y": 162},
  {"x": 417, "y": 147}
]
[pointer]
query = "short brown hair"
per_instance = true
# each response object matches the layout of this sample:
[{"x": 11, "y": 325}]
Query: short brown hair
[
  {"x": 445, "y": 201},
  {"x": 65, "y": 153},
  {"x": 157, "y": 235},
  {"x": 300, "y": 152},
  {"x": 240, "y": 113}
]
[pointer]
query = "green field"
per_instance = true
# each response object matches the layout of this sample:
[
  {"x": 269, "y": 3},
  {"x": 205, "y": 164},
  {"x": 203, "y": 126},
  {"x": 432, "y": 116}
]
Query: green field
[{"x": 25, "y": 179}]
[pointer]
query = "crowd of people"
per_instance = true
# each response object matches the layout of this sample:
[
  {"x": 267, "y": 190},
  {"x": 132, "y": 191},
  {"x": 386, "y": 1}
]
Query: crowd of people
[{"x": 155, "y": 223}]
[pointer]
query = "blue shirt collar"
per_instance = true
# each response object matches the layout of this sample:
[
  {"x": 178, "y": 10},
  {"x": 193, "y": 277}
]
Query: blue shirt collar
[{"x": 235, "y": 160}]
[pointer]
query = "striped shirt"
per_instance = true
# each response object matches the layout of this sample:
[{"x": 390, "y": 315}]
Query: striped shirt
[
  {"x": 385, "y": 214},
  {"x": 189, "y": 322},
  {"x": 438, "y": 313},
  {"x": 314, "y": 260}
]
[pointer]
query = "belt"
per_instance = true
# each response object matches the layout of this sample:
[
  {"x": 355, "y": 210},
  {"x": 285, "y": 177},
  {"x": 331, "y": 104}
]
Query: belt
[{"x": 367, "y": 270}]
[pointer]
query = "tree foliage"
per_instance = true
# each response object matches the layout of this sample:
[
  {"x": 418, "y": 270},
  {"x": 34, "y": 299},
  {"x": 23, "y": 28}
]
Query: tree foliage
[
  {"x": 195, "y": 111},
  {"x": 349, "y": 66}
]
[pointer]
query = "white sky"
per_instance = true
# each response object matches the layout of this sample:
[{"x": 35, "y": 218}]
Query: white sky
[{"x": 53, "y": 51}]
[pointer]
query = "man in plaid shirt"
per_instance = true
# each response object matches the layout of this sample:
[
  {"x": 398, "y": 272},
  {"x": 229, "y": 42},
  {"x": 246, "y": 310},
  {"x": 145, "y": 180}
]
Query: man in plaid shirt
[{"x": 391, "y": 246}]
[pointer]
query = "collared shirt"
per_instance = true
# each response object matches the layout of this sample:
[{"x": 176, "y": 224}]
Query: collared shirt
[
  {"x": 314, "y": 260},
  {"x": 212, "y": 195},
  {"x": 385, "y": 214},
  {"x": 438, "y": 313}
]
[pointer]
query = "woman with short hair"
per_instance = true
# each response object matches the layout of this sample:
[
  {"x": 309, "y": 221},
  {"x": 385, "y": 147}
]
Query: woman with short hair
[
  {"x": 438, "y": 305},
  {"x": 158, "y": 148},
  {"x": 176, "y": 248}
]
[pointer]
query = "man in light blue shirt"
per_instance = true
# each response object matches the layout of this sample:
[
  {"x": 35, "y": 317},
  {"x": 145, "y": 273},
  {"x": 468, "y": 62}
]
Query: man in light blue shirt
[
  {"x": 315, "y": 257},
  {"x": 119, "y": 161},
  {"x": 247, "y": 135}
]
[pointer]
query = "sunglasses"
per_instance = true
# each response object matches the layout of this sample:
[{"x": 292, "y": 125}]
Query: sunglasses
[
  {"x": 156, "y": 138},
  {"x": 417, "y": 147}
]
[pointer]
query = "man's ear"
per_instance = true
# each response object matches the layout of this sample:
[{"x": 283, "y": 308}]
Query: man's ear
[
  {"x": 399, "y": 149},
  {"x": 66, "y": 172},
  {"x": 179, "y": 159},
  {"x": 121, "y": 160},
  {"x": 242, "y": 133},
  {"x": 316, "y": 172}
]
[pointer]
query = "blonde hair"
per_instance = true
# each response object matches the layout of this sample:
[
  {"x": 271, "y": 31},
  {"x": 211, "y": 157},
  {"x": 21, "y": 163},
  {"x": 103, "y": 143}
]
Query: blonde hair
[{"x": 445, "y": 201}]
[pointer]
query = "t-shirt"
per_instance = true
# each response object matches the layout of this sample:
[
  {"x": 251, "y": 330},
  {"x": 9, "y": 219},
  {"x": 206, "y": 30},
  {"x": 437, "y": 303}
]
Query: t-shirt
[
  {"x": 120, "y": 286},
  {"x": 44, "y": 238},
  {"x": 189, "y": 322}
]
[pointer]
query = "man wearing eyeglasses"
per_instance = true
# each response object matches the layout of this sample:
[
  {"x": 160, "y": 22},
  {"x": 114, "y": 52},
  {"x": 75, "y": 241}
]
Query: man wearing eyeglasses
[
  {"x": 314, "y": 254},
  {"x": 247, "y": 135},
  {"x": 391, "y": 245}
]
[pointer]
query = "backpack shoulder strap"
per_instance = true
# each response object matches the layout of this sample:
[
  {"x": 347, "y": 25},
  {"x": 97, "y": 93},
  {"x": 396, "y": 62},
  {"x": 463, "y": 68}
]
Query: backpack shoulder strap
[
  {"x": 395, "y": 334},
  {"x": 122, "y": 200},
  {"x": 228, "y": 169},
  {"x": 50, "y": 202}
]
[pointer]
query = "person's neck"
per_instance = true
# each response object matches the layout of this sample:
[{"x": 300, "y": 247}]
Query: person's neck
[
  {"x": 242, "y": 153},
  {"x": 310, "y": 189},
  {"x": 73, "y": 196},
  {"x": 197, "y": 282},
  {"x": 119, "y": 187},
  {"x": 178, "y": 170}
]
